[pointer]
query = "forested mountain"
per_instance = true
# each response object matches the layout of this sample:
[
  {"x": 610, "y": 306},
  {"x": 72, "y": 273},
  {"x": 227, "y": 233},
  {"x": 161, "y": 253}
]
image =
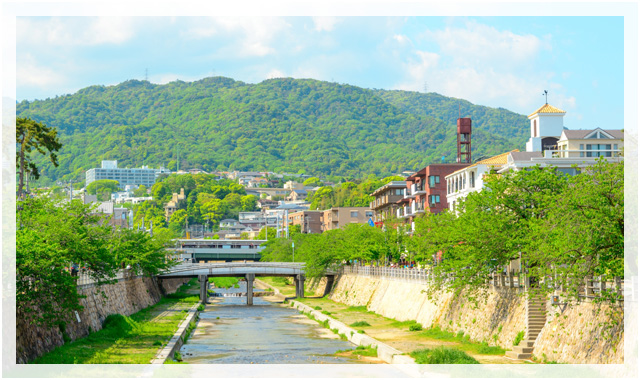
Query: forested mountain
[{"x": 292, "y": 125}]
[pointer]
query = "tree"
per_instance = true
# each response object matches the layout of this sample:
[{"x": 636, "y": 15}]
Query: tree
[
  {"x": 313, "y": 182},
  {"x": 141, "y": 191},
  {"x": 31, "y": 135},
  {"x": 103, "y": 188}
]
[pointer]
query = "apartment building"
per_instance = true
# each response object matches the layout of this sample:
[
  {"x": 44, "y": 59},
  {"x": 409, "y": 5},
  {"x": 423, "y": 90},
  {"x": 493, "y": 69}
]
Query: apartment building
[
  {"x": 385, "y": 204},
  {"x": 426, "y": 191},
  {"x": 307, "y": 221},
  {"x": 338, "y": 217},
  {"x": 124, "y": 176}
]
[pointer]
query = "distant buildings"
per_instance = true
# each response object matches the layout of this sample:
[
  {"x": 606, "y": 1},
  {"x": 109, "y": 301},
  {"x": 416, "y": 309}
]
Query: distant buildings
[
  {"x": 124, "y": 176},
  {"x": 338, "y": 217}
]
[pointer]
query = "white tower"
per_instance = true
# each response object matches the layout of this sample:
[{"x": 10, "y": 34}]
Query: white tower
[{"x": 546, "y": 128}]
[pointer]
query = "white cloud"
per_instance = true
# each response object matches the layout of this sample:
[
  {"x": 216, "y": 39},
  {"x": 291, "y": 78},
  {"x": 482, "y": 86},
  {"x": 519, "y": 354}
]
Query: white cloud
[
  {"x": 324, "y": 23},
  {"x": 248, "y": 36},
  {"x": 70, "y": 31},
  {"x": 401, "y": 39},
  {"x": 479, "y": 44},
  {"x": 29, "y": 73},
  {"x": 275, "y": 73}
]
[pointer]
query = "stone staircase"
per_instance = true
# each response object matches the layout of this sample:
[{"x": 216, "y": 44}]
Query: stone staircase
[{"x": 536, "y": 318}]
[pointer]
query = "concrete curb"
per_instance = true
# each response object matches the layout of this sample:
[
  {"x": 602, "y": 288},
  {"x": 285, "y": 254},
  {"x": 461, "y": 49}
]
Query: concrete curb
[
  {"x": 178, "y": 338},
  {"x": 385, "y": 352}
]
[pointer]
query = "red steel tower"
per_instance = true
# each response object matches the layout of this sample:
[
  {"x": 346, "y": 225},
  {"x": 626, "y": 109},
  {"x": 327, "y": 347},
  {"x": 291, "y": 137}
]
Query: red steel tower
[{"x": 464, "y": 140}]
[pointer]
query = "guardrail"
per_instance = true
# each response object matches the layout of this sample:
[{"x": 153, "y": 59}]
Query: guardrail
[{"x": 416, "y": 275}]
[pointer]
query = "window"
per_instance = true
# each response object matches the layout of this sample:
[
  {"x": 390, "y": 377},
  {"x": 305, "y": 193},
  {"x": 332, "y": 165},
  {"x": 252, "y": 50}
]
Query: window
[
  {"x": 433, "y": 180},
  {"x": 354, "y": 214},
  {"x": 581, "y": 149},
  {"x": 473, "y": 179},
  {"x": 399, "y": 191},
  {"x": 368, "y": 214},
  {"x": 434, "y": 199}
]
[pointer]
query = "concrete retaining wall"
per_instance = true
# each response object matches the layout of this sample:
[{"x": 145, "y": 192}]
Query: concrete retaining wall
[
  {"x": 125, "y": 297},
  {"x": 495, "y": 318}
]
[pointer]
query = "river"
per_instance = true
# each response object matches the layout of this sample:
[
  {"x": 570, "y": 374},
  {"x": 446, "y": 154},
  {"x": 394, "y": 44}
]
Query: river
[{"x": 229, "y": 331}]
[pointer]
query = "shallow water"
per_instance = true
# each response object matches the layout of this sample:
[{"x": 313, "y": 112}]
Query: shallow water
[{"x": 262, "y": 333}]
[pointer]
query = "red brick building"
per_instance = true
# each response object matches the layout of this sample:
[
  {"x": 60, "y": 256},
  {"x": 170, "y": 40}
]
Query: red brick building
[{"x": 426, "y": 191}]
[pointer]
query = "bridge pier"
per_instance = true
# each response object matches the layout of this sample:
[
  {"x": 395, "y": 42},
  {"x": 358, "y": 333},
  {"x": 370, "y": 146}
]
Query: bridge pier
[
  {"x": 250, "y": 277},
  {"x": 299, "y": 286},
  {"x": 204, "y": 286}
]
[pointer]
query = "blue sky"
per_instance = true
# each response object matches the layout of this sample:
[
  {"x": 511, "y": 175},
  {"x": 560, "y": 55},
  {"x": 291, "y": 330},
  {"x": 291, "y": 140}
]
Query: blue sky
[{"x": 499, "y": 61}]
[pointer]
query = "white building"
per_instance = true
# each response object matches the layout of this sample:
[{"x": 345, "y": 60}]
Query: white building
[
  {"x": 124, "y": 176},
  {"x": 549, "y": 145}
]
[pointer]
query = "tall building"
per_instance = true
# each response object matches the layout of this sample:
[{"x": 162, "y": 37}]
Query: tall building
[{"x": 124, "y": 176}]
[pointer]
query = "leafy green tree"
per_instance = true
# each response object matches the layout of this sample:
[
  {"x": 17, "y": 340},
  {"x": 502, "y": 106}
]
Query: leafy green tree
[
  {"x": 248, "y": 202},
  {"x": 54, "y": 237},
  {"x": 102, "y": 185},
  {"x": 141, "y": 191},
  {"x": 313, "y": 181},
  {"x": 30, "y": 136},
  {"x": 583, "y": 233}
]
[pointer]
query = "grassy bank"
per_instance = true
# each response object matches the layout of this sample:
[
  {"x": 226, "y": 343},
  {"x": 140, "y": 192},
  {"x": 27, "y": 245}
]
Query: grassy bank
[
  {"x": 225, "y": 282},
  {"x": 133, "y": 339},
  {"x": 286, "y": 285},
  {"x": 409, "y": 336}
]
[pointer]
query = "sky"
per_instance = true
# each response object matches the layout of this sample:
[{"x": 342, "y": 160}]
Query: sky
[{"x": 496, "y": 61}]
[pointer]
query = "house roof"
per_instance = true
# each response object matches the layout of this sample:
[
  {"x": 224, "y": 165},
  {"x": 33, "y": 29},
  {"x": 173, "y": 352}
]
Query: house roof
[
  {"x": 299, "y": 191},
  {"x": 581, "y": 133},
  {"x": 498, "y": 160},
  {"x": 547, "y": 108},
  {"x": 524, "y": 156},
  {"x": 392, "y": 184}
]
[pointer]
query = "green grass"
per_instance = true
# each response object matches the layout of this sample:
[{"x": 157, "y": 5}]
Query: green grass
[
  {"x": 442, "y": 355},
  {"x": 133, "y": 339},
  {"x": 415, "y": 327},
  {"x": 366, "y": 351},
  {"x": 465, "y": 342},
  {"x": 226, "y": 282},
  {"x": 361, "y": 309},
  {"x": 360, "y": 324},
  {"x": 402, "y": 324},
  {"x": 317, "y": 308},
  {"x": 518, "y": 338}
]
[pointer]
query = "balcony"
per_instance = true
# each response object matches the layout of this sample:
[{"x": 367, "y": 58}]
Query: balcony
[{"x": 416, "y": 190}]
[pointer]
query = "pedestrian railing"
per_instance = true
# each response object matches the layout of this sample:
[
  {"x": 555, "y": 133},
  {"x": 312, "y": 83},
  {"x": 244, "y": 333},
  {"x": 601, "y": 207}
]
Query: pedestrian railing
[
  {"x": 415, "y": 275},
  {"x": 590, "y": 288}
]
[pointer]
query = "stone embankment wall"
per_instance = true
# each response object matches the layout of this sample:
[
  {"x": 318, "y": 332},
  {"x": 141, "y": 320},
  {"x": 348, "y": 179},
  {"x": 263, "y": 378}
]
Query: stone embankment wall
[
  {"x": 496, "y": 317},
  {"x": 124, "y": 297}
]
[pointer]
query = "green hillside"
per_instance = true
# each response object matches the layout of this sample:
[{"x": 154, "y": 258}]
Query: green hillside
[{"x": 293, "y": 125}]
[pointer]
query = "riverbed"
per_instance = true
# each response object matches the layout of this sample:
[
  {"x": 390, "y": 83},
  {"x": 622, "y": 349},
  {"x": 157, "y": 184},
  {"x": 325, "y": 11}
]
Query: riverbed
[{"x": 230, "y": 332}]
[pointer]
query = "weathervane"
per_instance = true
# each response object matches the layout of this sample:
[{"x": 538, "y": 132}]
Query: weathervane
[{"x": 545, "y": 97}]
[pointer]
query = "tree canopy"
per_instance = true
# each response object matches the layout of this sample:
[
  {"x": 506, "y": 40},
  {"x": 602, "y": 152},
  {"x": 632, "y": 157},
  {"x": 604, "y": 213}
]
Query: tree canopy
[{"x": 281, "y": 125}]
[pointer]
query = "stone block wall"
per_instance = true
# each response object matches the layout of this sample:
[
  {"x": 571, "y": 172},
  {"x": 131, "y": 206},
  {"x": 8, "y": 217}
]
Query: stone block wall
[
  {"x": 125, "y": 297},
  {"x": 590, "y": 334}
]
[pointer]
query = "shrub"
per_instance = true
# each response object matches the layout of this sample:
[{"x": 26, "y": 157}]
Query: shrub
[
  {"x": 360, "y": 324},
  {"x": 326, "y": 312},
  {"x": 360, "y": 331},
  {"x": 442, "y": 355},
  {"x": 518, "y": 338},
  {"x": 415, "y": 327},
  {"x": 201, "y": 307},
  {"x": 317, "y": 308},
  {"x": 177, "y": 356},
  {"x": 157, "y": 343}
]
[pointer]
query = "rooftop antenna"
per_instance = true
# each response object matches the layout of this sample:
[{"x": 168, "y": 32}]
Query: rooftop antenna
[{"x": 545, "y": 97}]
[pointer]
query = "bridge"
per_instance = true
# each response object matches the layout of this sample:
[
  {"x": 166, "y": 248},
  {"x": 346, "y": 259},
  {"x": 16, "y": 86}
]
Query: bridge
[
  {"x": 249, "y": 271},
  {"x": 206, "y": 250}
]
